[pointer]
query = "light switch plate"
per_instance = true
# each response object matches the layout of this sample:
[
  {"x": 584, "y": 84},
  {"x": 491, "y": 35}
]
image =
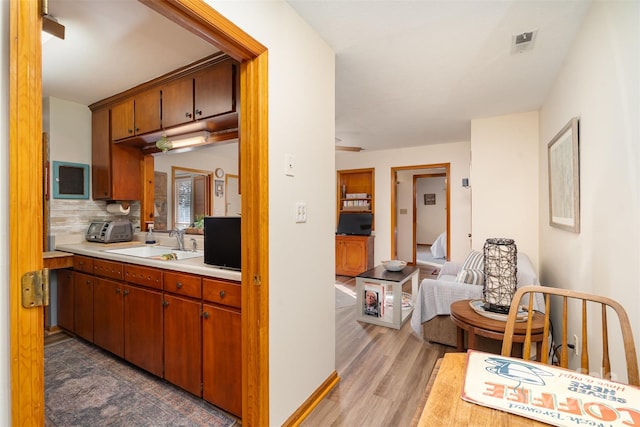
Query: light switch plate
[{"x": 289, "y": 165}]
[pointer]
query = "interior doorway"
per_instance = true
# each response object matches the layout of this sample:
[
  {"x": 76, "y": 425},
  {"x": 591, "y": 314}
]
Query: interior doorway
[
  {"x": 25, "y": 188},
  {"x": 420, "y": 212}
]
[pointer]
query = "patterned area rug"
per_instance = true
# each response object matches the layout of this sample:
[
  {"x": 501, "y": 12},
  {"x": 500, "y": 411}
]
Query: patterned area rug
[{"x": 86, "y": 386}]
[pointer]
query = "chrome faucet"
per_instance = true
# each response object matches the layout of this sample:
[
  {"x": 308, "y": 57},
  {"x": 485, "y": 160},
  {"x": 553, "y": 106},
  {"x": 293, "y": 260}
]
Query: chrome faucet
[
  {"x": 194, "y": 245},
  {"x": 179, "y": 237}
]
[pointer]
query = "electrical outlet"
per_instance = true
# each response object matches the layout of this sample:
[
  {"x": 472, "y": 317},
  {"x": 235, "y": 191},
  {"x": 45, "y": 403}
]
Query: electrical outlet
[
  {"x": 301, "y": 212},
  {"x": 575, "y": 345}
]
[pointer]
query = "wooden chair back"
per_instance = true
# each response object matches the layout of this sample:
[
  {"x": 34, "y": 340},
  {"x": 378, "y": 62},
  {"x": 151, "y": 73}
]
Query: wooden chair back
[{"x": 565, "y": 295}]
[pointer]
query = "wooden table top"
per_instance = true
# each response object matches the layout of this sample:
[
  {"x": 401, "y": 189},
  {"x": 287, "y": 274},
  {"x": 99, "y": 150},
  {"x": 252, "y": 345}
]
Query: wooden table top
[
  {"x": 445, "y": 407},
  {"x": 462, "y": 311}
]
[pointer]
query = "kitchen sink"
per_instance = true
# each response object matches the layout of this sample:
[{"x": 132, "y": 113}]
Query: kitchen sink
[{"x": 156, "y": 252}]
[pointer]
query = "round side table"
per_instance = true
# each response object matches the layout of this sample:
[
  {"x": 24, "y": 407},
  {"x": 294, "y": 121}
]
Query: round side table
[{"x": 466, "y": 319}]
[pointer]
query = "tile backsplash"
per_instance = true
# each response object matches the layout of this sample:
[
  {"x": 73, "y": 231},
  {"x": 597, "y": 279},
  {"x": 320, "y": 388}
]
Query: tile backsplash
[{"x": 69, "y": 219}]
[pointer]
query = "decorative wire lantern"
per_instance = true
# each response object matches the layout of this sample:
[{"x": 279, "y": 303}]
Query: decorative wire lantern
[{"x": 500, "y": 272}]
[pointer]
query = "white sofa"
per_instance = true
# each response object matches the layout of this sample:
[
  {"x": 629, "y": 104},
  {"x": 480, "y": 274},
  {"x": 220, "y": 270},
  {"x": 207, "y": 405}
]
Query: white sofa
[{"x": 430, "y": 318}]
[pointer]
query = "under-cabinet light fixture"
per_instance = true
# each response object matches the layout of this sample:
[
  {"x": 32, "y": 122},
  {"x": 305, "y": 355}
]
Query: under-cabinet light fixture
[{"x": 165, "y": 144}]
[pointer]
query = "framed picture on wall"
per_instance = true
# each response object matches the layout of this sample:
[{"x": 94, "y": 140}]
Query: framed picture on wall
[
  {"x": 70, "y": 180},
  {"x": 429, "y": 199},
  {"x": 564, "y": 178}
]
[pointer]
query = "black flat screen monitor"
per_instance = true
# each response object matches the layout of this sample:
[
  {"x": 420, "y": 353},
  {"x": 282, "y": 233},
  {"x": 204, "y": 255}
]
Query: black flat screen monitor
[
  {"x": 358, "y": 224},
  {"x": 222, "y": 246}
]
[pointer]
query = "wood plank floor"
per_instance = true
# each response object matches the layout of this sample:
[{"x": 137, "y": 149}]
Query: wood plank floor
[{"x": 383, "y": 372}]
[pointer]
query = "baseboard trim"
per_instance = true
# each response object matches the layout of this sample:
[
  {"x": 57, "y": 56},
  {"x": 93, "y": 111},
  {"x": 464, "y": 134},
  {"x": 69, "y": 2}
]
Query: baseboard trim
[{"x": 308, "y": 405}]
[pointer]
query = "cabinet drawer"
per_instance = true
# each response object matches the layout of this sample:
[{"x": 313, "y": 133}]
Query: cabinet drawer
[
  {"x": 144, "y": 276},
  {"x": 110, "y": 269},
  {"x": 83, "y": 263},
  {"x": 183, "y": 284},
  {"x": 221, "y": 292}
]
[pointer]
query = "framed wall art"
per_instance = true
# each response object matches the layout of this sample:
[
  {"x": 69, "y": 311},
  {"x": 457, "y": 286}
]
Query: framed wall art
[
  {"x": 70, "y": 180},
  {"x": 564, "y": 178}
]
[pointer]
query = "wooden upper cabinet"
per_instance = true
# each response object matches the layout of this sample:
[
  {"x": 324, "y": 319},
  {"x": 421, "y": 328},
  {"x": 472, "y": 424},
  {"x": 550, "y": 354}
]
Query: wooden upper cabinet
[
  {"x": 206, "y": 93},
  {"x": 215, "y": 90},
  {"x": 137, "y": 115},
  {"x": 177, "y": 102},
  {"x": 115, "y": 172},
  {"x": 122, "y": 120},
  {"x": 100, "y": 154}
]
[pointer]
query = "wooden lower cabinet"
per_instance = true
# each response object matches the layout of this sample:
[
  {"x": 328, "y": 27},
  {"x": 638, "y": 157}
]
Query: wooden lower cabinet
[
  {"x": 183, "y": 343},
  {"x": 108, "y": 329},
  {"x": 222, "y": 358},
  {"x": 177, "y": 326},
  {"x": 65, "y": 299},
  {"x": 143, "y": 328},
  {"x": 354, "y": 254},
  {"x": 83, "y": 305}
]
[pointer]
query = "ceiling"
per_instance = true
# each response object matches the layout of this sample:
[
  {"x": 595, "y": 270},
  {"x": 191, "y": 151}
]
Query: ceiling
[
  {"x": 111, "y": 46},
  {"x": 408, "y": 73}
]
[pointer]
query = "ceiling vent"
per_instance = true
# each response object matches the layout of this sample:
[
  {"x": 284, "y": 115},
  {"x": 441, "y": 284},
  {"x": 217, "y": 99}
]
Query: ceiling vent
[{"x": 523, "y": 42}]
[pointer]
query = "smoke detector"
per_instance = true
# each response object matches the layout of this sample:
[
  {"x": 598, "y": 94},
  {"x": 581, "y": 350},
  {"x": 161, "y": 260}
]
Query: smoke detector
[{"x": 523, "y": 42}]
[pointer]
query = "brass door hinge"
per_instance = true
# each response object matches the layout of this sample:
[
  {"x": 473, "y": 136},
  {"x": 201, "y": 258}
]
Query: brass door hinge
[{"x": 35, "y": 288}]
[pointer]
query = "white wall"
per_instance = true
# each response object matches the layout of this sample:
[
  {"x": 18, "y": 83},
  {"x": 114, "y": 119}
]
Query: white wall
[
  {"x": 69, "y": 127},
  {"x": 599, "y": 83},
  {"x": 5, "y": 378},
  {"x": 457, "y": 154},
  {"x": 431, "y": 220},
  {"x": 504, "y": 180},
  {"x": 404, "y": 216},
  {"x": 301, "y": 256}
]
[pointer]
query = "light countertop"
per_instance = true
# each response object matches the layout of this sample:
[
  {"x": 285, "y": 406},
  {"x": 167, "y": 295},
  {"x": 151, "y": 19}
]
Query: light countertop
[{"x": 192, "y": 265}]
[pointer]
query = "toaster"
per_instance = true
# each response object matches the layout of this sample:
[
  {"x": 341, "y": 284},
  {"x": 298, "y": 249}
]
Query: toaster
[{"x": 110, "y": 231}]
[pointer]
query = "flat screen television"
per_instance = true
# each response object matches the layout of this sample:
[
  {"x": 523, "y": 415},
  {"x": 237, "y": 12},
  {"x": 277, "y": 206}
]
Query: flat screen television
[
  {"x": 222, "y": 246},
  {"x": 358, "y": 224}
]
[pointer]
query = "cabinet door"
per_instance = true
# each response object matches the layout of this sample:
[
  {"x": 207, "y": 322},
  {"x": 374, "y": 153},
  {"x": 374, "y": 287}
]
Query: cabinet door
[
  {"x": 122, "y": 120},
  {"x": 221, "y": 355},
  {"x": 108, "y": 330},
  {"x": 65, "y": 299},
  {"x": 115, "y": 168},
  {"x": 83, "y": 305},
  {"x": 214, "y": 92},
  {"x": 100, "y": 154},
  {"x": 143, "y": 328},
  {"x": 354, "y": 254},
  {"x": 126, "y": 173},
  {"x": 177, "y": 102},
  {"x": 147, "y": 111},
  {"x": 183, "y": 343}
]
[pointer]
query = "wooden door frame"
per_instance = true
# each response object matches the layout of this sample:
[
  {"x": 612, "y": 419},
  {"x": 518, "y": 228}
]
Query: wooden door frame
[
  {"x": 394, "y": 219},
  {"x": 25, "y": 197}
]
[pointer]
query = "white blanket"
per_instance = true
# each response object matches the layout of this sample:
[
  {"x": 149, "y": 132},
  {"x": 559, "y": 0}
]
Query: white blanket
[
  {"x": 436, "y": 296},
  {"x": 439, "y": 247}
]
